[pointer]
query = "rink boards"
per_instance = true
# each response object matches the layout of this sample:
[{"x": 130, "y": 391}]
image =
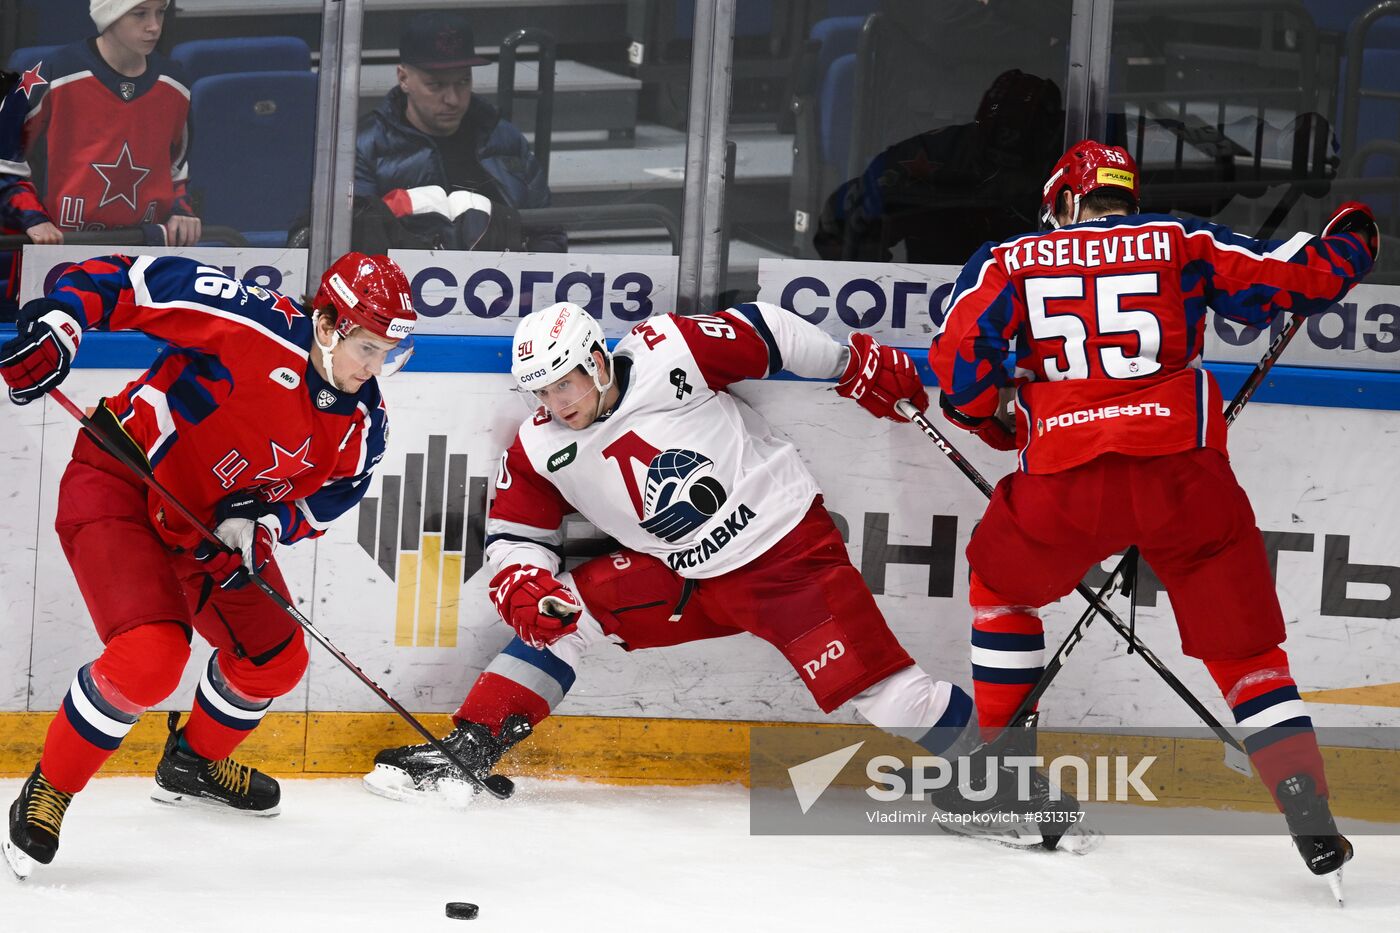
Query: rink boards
[{"x": 398, "y": 584}]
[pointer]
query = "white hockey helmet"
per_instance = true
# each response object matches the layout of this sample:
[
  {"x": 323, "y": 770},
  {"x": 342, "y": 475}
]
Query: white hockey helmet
[{"x": 549, "y": 343}]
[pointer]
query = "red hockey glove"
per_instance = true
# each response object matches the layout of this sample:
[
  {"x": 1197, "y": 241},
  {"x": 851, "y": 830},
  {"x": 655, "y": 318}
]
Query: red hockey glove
[
  {"x": 877, "y": 377},
  {"x": 250, "y": 529},
  {"x": 540, "y": 608},
  {"x": 1355, "y": 217},
  {"x": 39, "y": 357},
  {"x": 989, "y": 431}
]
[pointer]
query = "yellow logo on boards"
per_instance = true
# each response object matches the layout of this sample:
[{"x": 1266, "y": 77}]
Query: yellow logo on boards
[
  {"x": 1115, "y": 176},
  {"x": 426, "y": 531}
]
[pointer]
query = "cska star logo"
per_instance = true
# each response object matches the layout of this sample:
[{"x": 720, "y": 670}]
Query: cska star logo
[
  {"x": 287, "y": 309},
  {"x": 286, "y": 464},
  {"x": 122, "y": 177},
  {"x": 30, "y": 80}
]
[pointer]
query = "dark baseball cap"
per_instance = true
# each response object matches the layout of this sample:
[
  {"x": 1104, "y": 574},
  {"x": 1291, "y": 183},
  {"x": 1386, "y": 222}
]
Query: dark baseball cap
[{"x": 439, "y": 40}]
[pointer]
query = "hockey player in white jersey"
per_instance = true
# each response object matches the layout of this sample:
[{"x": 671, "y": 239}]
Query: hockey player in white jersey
[{"x": 722, "y": 527}]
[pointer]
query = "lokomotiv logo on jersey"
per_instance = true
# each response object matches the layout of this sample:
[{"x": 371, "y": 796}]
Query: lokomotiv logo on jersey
[{"x": 681, "y": 494}]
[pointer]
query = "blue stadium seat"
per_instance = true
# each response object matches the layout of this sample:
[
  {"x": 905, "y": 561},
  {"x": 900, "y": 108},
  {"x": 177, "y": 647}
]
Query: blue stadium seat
[
  {"x": 838, "y": 102},
  {"x": 835, "y": 37},
  {"x": 253, "y": 140},
  {"x": 1336, "y": 16},
  {"x": 823, "y": 97},
  {"x": 29, "y": 56},
  {"x": 56, "y": 22},
  {"x": 203, "y": 58}
]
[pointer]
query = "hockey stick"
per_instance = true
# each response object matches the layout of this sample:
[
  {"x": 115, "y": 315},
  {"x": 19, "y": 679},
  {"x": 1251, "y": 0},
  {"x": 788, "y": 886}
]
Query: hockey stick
[
  {"x": 1234, "y": 751},
  {"x": 497, "y": 785},
  {"x": 1025, "y": 716}
]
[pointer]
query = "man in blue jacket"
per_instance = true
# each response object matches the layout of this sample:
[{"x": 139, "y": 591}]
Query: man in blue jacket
[{"x": 435, "y": 168}]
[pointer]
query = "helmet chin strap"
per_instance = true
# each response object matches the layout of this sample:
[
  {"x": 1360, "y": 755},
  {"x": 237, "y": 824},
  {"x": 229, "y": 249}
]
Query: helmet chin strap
[
  {"x": 603, "y": 389},
  {"x": 326, "y": 361}
]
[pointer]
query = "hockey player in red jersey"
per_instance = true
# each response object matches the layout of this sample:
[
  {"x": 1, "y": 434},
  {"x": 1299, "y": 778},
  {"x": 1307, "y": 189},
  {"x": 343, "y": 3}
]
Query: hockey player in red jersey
[
  {"x": 264, "y": 418},
  {"x": 722, "y": 527},
  {"x": 1098, "y": 326}
]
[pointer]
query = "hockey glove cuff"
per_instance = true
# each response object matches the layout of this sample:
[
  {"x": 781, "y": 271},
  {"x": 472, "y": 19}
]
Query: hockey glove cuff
[
  {"x": 540, "y": 608},
  {"x": 989, "y": 430},
  {"x": 250, "y": 530},
  {"x": 878, "y": 377}
]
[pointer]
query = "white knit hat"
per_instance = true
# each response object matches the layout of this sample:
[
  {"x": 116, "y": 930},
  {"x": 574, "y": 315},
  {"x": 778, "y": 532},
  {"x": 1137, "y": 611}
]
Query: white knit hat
[{"x": 106, "y": 12}]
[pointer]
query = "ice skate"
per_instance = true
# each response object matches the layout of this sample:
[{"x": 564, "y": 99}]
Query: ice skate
[
  {"x": 36, "y": 819},
  {"x": 1006, "y": 816},
  {"x": 186, "y": 779},
  {"x": 1324, "y": 850},
  {"x": 422, "y": 773}
]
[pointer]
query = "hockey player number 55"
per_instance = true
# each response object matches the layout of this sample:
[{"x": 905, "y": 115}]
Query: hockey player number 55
[{"x": 1109, "y": 318}]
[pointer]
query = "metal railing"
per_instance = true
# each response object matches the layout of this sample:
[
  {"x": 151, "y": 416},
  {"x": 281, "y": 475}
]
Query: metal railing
[
  {"x": 126, "y": 236},
  {"x": 544, "y": 92}
]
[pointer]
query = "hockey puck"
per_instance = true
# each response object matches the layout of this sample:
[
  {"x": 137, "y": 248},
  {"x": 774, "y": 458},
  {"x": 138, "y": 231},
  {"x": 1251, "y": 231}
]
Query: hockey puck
[{"x": 461, "y": 910}]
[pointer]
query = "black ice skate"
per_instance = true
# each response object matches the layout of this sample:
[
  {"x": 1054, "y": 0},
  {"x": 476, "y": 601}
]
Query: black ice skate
[
  {"x": 187, "y": 779},
  {"x": 421, "y": 772},
  {"x": 1324, "y": 850},
  {"x": 1008, "y": 817},
  {"x": 36, "y": 818}
]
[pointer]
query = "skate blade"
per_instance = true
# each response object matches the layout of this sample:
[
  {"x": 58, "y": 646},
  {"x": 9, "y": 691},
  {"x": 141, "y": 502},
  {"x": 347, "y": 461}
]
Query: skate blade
[
  {"x": 20, "y": 863},
  {"x": 194, "y": 801},
  {"x": 1334, "y": 881},
  {"x": 394, "y": 784},
  {"x": 1078, "y": 840}
]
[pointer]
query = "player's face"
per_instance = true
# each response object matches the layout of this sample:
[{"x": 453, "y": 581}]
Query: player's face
[
  {"x": 438, "y": 98},
  {"x": 573, "y": 399},
  {"x": 139, "y": 30},
  {"x": 359, "y": 358}
]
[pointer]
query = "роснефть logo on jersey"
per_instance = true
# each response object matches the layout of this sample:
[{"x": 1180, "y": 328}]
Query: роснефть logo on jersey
[
  {"x": 426, "y": 531},
  {"x": 681, "y": 494}
]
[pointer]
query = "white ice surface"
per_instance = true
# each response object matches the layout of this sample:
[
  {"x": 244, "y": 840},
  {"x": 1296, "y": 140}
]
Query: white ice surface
[{"x": 574, "y": 857}]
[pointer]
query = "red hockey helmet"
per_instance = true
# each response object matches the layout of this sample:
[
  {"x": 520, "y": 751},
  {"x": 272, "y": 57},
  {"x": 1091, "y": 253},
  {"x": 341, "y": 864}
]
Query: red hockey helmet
[
  {"x": 1086, "y": 167},
  {"x": 371, "y": 292}
]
